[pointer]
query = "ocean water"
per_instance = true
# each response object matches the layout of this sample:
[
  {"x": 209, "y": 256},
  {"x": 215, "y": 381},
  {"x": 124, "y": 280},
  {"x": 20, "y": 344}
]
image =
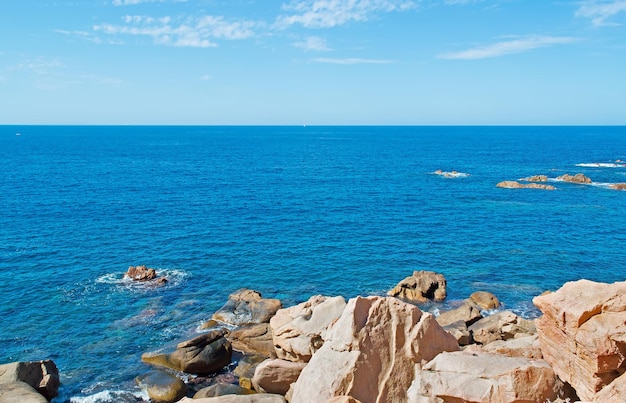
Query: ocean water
[{"x": 288, "y": 211}]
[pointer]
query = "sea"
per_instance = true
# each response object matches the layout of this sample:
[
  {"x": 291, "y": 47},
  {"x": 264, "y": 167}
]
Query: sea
[{"x": 289, "y": 211}]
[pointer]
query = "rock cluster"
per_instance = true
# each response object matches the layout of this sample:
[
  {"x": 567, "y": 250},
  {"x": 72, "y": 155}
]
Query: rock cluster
[
  {"x": 143, "y": 273},
  {"x": 578, "y": 178},
  {"x": 517, "y": 185},
  {"x": 420, "y": 287}
]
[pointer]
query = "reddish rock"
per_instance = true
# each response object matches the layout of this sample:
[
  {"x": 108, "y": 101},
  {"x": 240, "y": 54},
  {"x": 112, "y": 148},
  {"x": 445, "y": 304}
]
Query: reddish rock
[
  {"x": 578, "y": 178},
  {"x": 141, "y": 273},
  {"x": 421, "y": 287}
]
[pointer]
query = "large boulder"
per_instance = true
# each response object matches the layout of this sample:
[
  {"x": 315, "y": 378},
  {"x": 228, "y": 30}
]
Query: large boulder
[
  {"x": 19, "y": 392},
  {"x": 582, "y": 333},
  {"x": 460, "y": 332},
  {"x": 202, "y": 355},
  {"x": 222, "y": 389},
  {"x": 502, "y": 325},
  {"x": 246, "y": 307},
  {"x": 162, "y": 387},
  {"x": 43, "y": 376},
  {"x": 578, "y": 178},
  {"x": 275, "y": 376},
  {"x": 421, "y": 287},
  {"x": 299, "y": 331},
  {"x": 371, "y": 352},
  {"x": 468, "y": 313},
  {"x": 253, "y": 339},
  {"x": 484, "y": 300},
  {"x": 482, "y": 377}
]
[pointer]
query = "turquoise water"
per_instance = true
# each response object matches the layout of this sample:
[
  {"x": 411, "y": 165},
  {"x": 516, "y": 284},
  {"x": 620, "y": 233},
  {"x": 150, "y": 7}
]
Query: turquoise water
[{"x": 288, "y": 211}]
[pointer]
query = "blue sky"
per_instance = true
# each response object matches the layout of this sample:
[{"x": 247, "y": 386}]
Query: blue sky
[{"x": 317, "y": 62}]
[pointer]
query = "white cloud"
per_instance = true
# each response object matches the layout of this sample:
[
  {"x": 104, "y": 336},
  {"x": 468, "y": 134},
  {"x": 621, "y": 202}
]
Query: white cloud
[
  {"x": 508, "y": 47},
  {"x": 135, "y": 2},
  {"x": 331, "y": 13},
  {"x": 190, "y": 32},
  {"x": 599, "y": 11},
  {"x": 351, "y": 61},
  {"x": 314, "y": 43},
  {"x": 454, "y": 2}
]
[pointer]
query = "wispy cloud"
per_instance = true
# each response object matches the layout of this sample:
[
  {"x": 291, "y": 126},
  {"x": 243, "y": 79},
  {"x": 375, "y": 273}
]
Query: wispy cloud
[
  {"x": 41, "y": 66},
  {"x": 351, "y": 61},
  {"x": 600, "y": 11},
  {"x": 508, "y": 47},
  {"x": 190, "y": 32},
  {"x": 331, "y": 13},
  {"x": 454, "y": 2},
  {"x": 313, "y": 43},
  {"x": 135, "y": 2}
]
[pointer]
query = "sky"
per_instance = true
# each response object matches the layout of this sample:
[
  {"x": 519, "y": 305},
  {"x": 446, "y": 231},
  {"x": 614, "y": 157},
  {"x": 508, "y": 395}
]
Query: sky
[{"x": 313, "y": 62}]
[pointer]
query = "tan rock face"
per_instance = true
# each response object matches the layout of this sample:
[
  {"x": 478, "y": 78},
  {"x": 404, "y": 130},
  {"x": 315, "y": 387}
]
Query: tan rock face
[
  {"x": 141, "y": 273},
  {"x": 578, "y": 178},
  {"x": 371, "y": 352},
  {"x": 485, "y": 300},
  {"x": 526, "y": 347},
  {"x": 482, "y": 377},
  {"x": 41, "y": 375},
  {"x": 536, "y": 178},
  {"x": 256, "y": 339},
  {"x": 421, "y": 287},
  {"x": 275, "y": 376},
  {"x": 583, "y": 334},
  {"x": 500, "y": 326},
  {"x": 467, "y": 313},
  {"x": 299, "y": 331},
  {"x": 20, "y": 392},
  {"x": 246, "y": 307}
]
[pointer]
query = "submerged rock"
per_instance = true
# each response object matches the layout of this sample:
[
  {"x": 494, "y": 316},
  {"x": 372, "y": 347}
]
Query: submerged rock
[
  {"x": 421, "y": 287},
  {"x": 246, "y": 307}
]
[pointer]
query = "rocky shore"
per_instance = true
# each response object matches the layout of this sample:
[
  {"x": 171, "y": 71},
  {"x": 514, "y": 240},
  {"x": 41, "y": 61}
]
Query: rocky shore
[{"x": 385, "y": 349}]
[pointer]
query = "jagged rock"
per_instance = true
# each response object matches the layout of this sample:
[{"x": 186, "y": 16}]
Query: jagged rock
[
  {"x": 162, "y": 387},
  {"x": 517, "y": 185},
  {"x": 525, "y": 347},
  {"x": 141, "y": 273},
  {"x": 222, "y": 389},
  {"x": 484, "y": 300},
  {"x": 482, "y": 377},
  {"x": 299, "y": 331},
  {"x": 468, "y": 313},
  {"x": 246, "y": 307},
  {"x": 275, "y": 376},
  {"x": 578, "y": 178},
  {"x": 583, "y": 334},
  {"x": 254, "y": 398},
  {"x": 202, "y": 355},
  {"x": 614, "y": 392},
  {"x": 420, "y": 287},
  {"x": 500, "y": 326},
  {"x": 19, "y": 392},
  {"x": 371, "y": 351},
  {"x": 254, "y": 339},
  {"x": 41, "y": 375}
]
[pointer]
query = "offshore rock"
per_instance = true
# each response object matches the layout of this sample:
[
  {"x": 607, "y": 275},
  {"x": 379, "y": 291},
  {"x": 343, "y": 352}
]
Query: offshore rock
[
  {"x": 501, "y": 326},
  {"x": 482, "y": 377},
  {"x": 371, "y": 352},
  {"x": 420, "y": 287},
  {"x": 583, "y": 334},
  {"x": 578, "y": 178},
  {"x": 202, "y": 355},
  {"x": 253, "y": 339},
  {"x": 517, "y": 185},
  {"x": 299, "y": 331},
  {"x": 162, "y": 387},
  {"x": 141, "y": 273},
  {"x": 536, "y": 178},
  {"x": 618, "y": 186},
  {"x": 275, "y": 376},
  {"x": 246, "y": 307},
  {"x": 43, "y": 376}
]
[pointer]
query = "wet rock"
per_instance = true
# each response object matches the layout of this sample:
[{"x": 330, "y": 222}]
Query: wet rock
[
  {"x": 162, "y": 387},
  {"x": 43, "y": 376},
  {"x": 246, "y": 307},
  {"x": 246, "y": 367},
  {"x": 536, "y": 178},
  {"x": 421, "y": 287},
  {"x": 618, "y": 186},
  {"x": 141, "y": 273},
  {"x": 253, "y": 339},
  {"x": 202, "y": 355}
]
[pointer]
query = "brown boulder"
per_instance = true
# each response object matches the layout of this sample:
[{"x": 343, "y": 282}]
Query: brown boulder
[
  {"x": 255, "y": 339},
  {"x": 420, "y": 287},
  {"x": 299, "y": 331},
  {"x": 275, "y": 376},
  {"x": 582, "y": 334},
  {"x": 371, "y": 352},
  {"x": 578, "y": 178},
  {"x": 467, "y": 313},
  {"x": 41, "y": 375},
  {"x": 246, "y": 307},
  {"x": 162, "y": 387},
  {"x": 484, "y": 300},
  {"x": 483, "y": 377},
  {"x": 517, "y": 185},
  {"x": 202, "y": 355},
  {"x": 500, "y": 326},
  {"x": 141, "y": 273}
]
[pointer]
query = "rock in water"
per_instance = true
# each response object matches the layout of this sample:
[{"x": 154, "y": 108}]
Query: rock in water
[
  {"x": 202, "y": 355},
  {"x": 578, "y": 178},
  {"x": 141, "y": 273},
  {"x": 371, "y": 352},
  {"x": 582, "y": 333},
  {"x": 246, "y": 307},
  {"x": 420, "y": 287},
  {"x": 41, "y": 375},
  {"x": 162, "y": 387}
]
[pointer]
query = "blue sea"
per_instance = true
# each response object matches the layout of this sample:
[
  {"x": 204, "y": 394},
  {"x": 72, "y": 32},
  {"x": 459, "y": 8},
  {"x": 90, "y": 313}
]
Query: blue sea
[{"x": 288, "y": 211}]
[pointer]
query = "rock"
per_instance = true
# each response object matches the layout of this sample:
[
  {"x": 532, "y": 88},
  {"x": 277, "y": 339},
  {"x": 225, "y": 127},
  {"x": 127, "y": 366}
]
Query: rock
[
  {"x": 485, "y": 300},
  {"x": 209, "y": 324},
  {"x": 253, "y": 339},
  {"x": 583, "y": 334},
  {"x": 536, "y": 178},
  {"x": 246, "y": 367},
  {"x": 525, "y": 347},
  {"x": 255, "y": 398},
  {"x": 618, "y": 186},
  {"x": 222, "y": 389},
  {"x": 578, "y": 178},
  {"x": 162, "y": 387},
  {"x": 614, "y": 392},
  {"x": 19, "y": 392},
  {"x": 246, "y": 307},
  {"x": 420, "y": 287},
  {"x": 275, "y": 376},
  {"x": 371, "y": 351},
  {"x": 460, "y": 332},
  {"x": 202, "y": 355},
  {"x": 343, "y": 399},
  {"x": 500, "y": 326},
  {"x": 468, "y": 313},
  {"x": 141, "y": 273},
  {"x": 482, "y": 377},
  {"x": 41, "y": 375},
  {"x": 517, "y": 185},
  {"x": 299, "y": 331}
]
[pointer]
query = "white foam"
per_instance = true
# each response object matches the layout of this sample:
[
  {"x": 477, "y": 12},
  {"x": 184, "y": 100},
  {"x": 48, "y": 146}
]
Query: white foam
[
  {"x": 110, "y": 396},
  {"x": 601, "y": 165},
  {"x": 174, "y": 277},
  {"x": 451, "y": 174}
]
